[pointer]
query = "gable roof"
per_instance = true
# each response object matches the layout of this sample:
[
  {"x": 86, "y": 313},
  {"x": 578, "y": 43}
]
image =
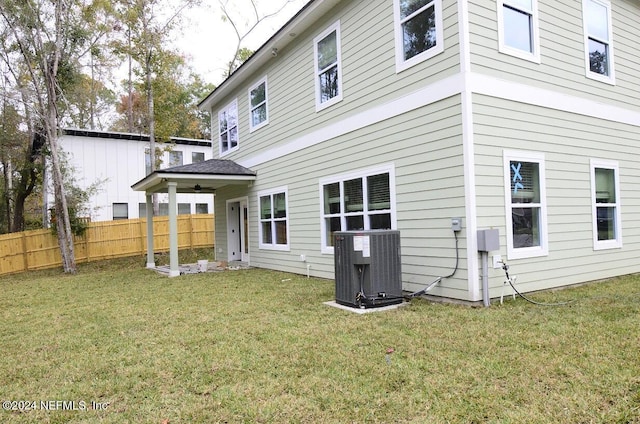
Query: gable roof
[{"x": 286, "y": 35}]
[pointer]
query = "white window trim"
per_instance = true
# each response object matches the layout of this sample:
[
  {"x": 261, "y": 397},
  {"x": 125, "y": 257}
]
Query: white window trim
[
  {"x": 335, "y": 27},
  {"x": 381, "y": 169},
  {"x": 402, "y": 64},
  {"x": 534, "y": 251},
  {"x": 617, "y": 242},
  {"x": 230, "y": 150},
  {"x": 535, "y": 36},
  {"x": 611, "y": 78},
  {"x": 274, "y": 246},
  {"x": 263, "y": 80}
]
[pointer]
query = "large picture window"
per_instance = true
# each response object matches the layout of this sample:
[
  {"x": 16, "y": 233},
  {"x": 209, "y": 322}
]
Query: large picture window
[
  {"x": 274, "y": 219},
  {"x": 360, "y": 201},
  {"x": 525, "y": 201},
  {"x": 605, "y": 195},
  {"x": 419, "y": 33},
  {"x": 228, "y": 128},
  {"x": 518, "y": 28},
  {"x": 598, "y": 40},
  {"x": 258, "y": 105},
  {"x": 328, "y": 67}
]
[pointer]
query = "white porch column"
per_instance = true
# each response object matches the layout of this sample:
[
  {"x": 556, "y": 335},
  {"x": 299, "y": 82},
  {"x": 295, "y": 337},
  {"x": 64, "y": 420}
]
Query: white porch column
[
  {"x": 151, "y": 263},
  {"x": 174, "y": 269}
]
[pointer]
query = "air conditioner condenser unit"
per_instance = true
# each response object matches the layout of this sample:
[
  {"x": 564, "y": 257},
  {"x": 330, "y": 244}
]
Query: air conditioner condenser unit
[{"x": 368, "y": 268}]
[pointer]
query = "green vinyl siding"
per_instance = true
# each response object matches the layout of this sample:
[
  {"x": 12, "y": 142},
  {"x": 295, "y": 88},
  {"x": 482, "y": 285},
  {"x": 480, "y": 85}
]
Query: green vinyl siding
[
  {"x": 368, "y": 73},
  {"x": 569, "y": 142},
  {"x": 423, "y": 146},
  {"x": 562, "y": 66}
]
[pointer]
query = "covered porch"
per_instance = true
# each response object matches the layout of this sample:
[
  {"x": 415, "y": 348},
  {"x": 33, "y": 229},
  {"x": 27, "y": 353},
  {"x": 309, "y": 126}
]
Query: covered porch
[{"x": 202, "y": 177}]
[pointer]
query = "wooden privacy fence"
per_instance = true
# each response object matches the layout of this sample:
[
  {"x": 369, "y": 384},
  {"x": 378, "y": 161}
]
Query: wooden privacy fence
[{"x": 38, "y": 249}]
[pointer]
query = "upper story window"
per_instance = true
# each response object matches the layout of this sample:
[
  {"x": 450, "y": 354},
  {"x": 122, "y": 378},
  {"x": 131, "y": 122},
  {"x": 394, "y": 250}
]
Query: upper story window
[
  {"x": 419, "y": 34},
  {"x": 258, "y": 105},
  {"x": 518, "y": 28},
  {"x": 228, "y": 128},
  {"x": 147, "y": 161},
  {"x": 328, "y": 67},
  {"x": 175, "y": 158},
  {"x": 605, "y": 195},
  {"x": 197, "y": 157},
  {"x": 359, "y": 201},
  {"x": 525, "y": 200},
  {"x": 598, "y": 40}
]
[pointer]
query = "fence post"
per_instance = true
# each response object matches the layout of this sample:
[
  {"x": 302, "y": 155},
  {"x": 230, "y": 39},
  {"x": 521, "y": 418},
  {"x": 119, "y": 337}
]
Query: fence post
[
  {"x": 142, "y": 235},
  {"x": 191, "y": 230},
  {"x": 87, "y": 242},
  {"x": 25, "y": 255}
]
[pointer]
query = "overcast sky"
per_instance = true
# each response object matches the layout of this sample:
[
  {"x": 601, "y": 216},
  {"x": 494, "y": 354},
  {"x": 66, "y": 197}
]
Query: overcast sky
[{"x": 210, "y": 43}]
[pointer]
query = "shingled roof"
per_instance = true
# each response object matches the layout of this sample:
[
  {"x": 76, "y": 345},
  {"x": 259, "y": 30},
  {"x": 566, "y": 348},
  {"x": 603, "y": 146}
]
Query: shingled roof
[
  {"x": 209, "y": 167},
  {"x": 212, "y": 174}
]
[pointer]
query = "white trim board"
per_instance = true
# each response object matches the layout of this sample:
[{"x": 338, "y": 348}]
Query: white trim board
[
  {"x": 425, "y": 96},
  {"x": 523, "y": 93},
  {"x": 456, "y": 84}
]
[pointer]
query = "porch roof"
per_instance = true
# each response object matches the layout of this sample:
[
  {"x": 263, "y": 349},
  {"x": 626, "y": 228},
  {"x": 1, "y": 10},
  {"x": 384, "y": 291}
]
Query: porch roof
[{"x": 200, "y": 177}]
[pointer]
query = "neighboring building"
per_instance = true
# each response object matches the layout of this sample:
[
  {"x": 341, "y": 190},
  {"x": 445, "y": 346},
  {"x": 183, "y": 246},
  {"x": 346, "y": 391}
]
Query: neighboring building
[
  {"x": 522, "y": 116},
  {"x": 120, "y": 159}
]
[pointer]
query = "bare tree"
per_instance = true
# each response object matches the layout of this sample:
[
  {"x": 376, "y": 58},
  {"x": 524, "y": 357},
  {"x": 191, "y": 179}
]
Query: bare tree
[
  {"x": 149, "y": 24},
  {"x": 242, "y": 31}
]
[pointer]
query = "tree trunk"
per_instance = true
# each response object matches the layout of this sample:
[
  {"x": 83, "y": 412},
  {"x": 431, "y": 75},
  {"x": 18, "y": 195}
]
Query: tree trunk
[
  {"x": 130, "y": 87},
  {"x": 152, "y": 129},
  {"x": 50, "y": 73},
  {"x": 6, "y": 169},
  {"x": 63, "y": 223}
]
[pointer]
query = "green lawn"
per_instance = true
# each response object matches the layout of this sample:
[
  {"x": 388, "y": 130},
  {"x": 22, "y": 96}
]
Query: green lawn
[{"x": 260, "y": 346}]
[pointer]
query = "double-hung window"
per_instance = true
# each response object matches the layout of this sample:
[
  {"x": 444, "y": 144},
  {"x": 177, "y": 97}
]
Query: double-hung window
[
  {"x": 598, "y": 40},
  {"x": 328, "y": 67},
  {"x": 358, "y": 201},
  {"x": 605, "y": 198},
  {"x": 418, "y": 31},
  {"x": 228, "y": 128},
  {"x": 274, "y": 219},
  {"x": 518, "y": 28},
  {"x": 525, "y": 201},
  {"x": 259, "y": 114}
]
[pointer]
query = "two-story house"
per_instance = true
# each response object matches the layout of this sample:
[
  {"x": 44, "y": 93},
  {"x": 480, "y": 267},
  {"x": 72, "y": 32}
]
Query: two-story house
[
  {"x": 115, "y": 160},
  {"x": 516, "y": 115}
]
